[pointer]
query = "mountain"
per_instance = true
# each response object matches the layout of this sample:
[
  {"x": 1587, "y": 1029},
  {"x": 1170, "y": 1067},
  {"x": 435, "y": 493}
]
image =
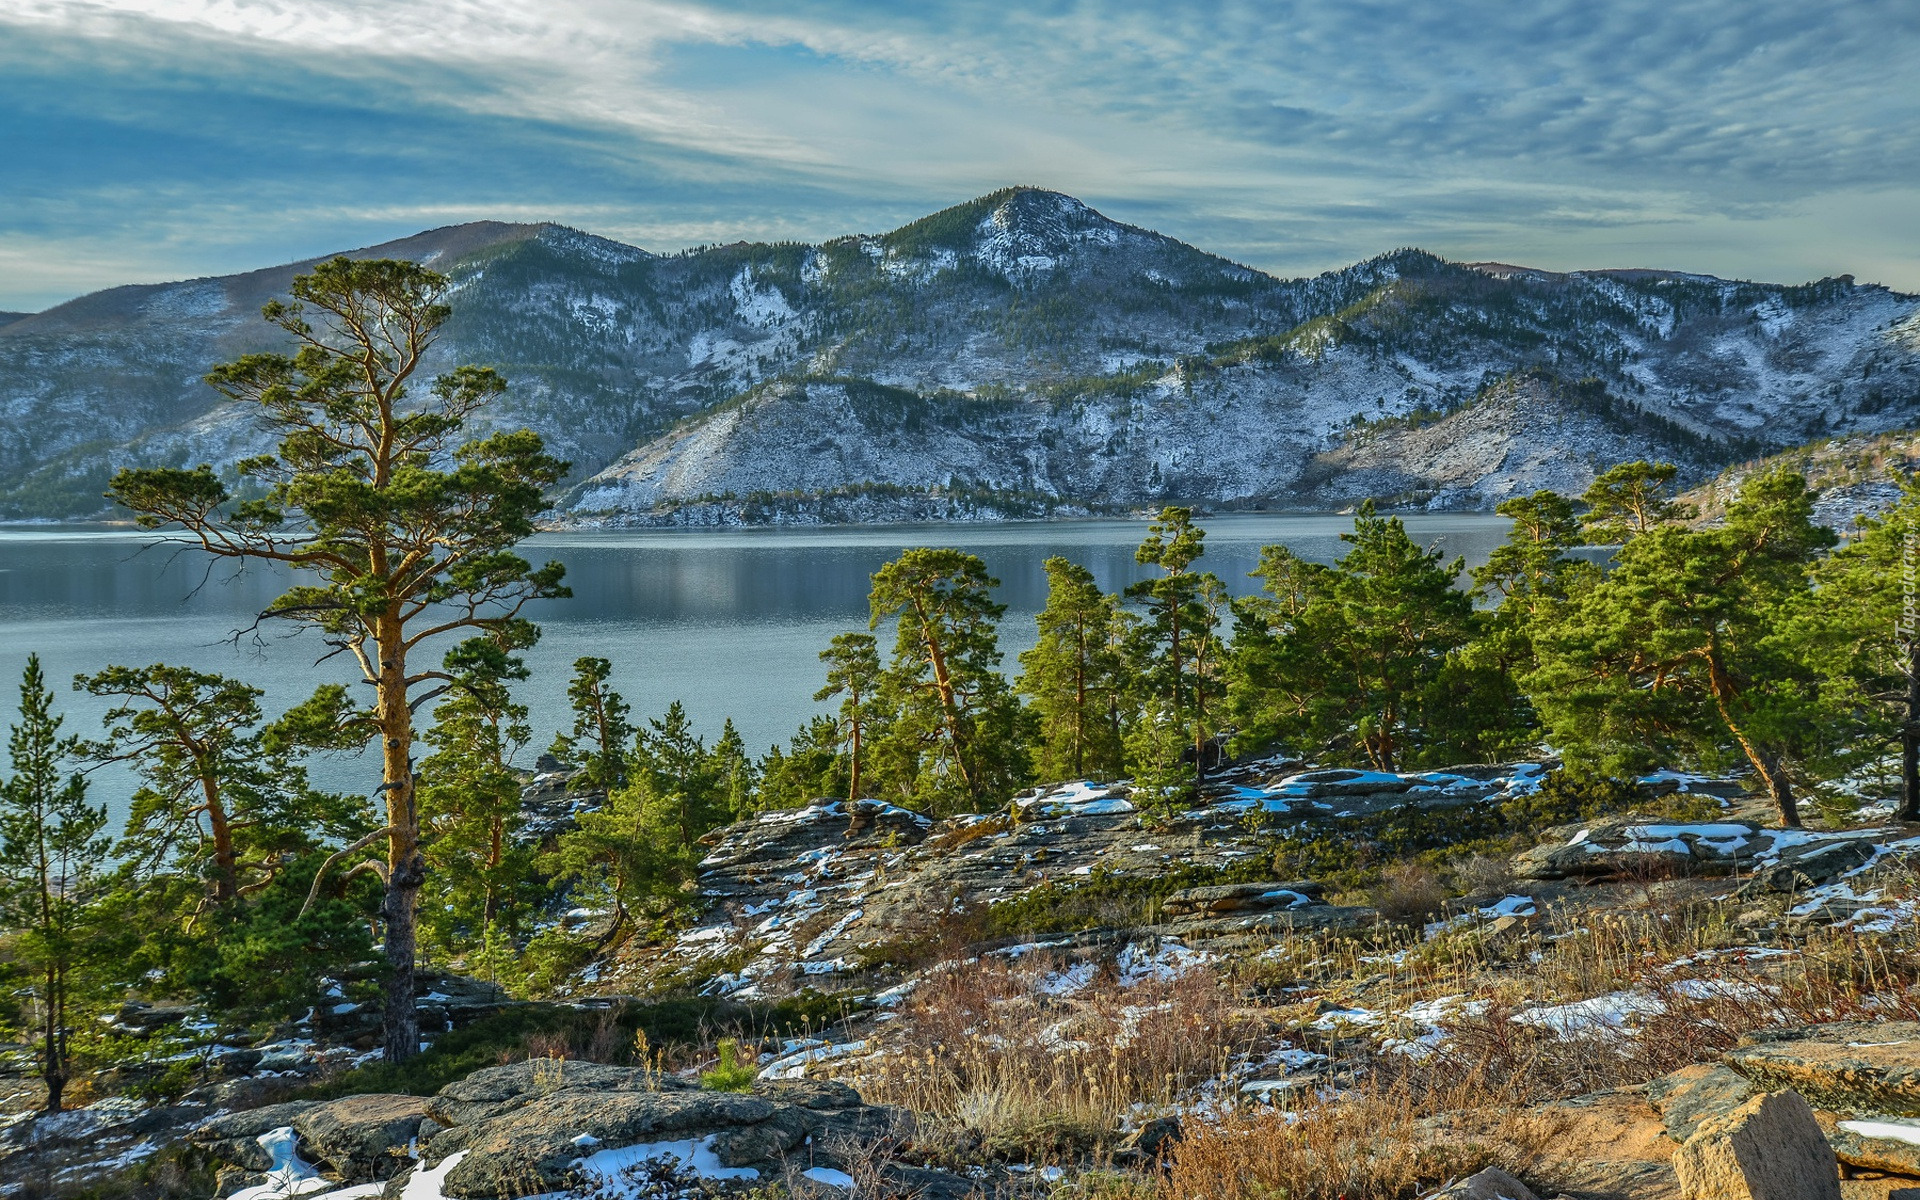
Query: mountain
[
  {"x": 1856, "y": 475},
  {"x": 1016, "y": 355}
]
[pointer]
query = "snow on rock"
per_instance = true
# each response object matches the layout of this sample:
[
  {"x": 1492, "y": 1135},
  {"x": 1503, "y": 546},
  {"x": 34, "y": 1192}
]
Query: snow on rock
[
  {"x": 427, "y": 1183},
  {"x": 798, "y": 1054},
  {"x": 1169, "y": 961},
  {"x": 289, "y": 1174},
  {"x": 694, "y": 1156}
]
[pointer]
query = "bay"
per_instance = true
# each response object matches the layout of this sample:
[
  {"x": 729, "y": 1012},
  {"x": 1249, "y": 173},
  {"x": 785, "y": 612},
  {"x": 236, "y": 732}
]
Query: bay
[{"x": 729, "y": 622}]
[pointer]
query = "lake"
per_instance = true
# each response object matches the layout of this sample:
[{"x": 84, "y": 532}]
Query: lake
[{"x": 729, "y": 622}]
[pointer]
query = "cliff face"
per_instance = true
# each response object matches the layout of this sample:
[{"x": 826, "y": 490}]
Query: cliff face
[{"x": 1016, "y": 355}]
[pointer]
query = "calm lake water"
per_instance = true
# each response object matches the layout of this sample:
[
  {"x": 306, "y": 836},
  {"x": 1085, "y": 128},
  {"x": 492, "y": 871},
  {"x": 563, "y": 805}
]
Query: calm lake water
[{"x": 729, "y": 622}]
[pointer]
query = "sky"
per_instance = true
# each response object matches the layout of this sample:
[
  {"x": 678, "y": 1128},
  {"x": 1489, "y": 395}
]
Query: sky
[{"x": 144, "y": 140}]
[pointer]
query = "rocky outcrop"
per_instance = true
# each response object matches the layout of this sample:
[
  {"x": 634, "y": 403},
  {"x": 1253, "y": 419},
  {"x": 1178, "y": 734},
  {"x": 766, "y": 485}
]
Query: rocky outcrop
[
  {"x": 1779, "y": 861},
  {"x": 1692, "y": 1095},
  {"x": 1769, "y": 1148},
  {"x": 1855, "y": 1068},
  {"x": 801, "y": 894},
  {"x": 1864, "y": 1076},
  {"x": 549, "y": 1125}
]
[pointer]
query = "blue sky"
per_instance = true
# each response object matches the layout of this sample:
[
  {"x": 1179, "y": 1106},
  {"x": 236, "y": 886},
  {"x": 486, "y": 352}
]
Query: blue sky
[{"x": 155, "y": 139}]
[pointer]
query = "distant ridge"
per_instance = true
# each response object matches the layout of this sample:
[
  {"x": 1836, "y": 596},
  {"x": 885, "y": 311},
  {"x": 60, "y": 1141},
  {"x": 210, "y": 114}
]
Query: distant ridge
[{"x": 1019, "y": 354}]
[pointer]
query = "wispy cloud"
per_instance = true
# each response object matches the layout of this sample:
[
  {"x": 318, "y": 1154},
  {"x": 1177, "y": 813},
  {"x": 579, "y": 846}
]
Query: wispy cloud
[{"x": 147, "y": 138}]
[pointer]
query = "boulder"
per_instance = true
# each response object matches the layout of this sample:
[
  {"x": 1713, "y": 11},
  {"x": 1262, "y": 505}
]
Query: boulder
[
  {"x": 1854, "y": 1068},
  {"x": 1769, "y": 1148},
  {"x": 1808, "y": 866},
  {"x": 1694, "y": 1094},
  {"x": 496, "y": 1090},
  {"x": 233, "y": 1137},
  {"x": 1152, "y": 1139},
  {"x": 1638, "y": 845},
  {"x": 527, "y": 1127},
  {"x": 1490, "y": 1184},
  {"x": 536, "y": 1146},
  {"x": 362, "y": 1138}
]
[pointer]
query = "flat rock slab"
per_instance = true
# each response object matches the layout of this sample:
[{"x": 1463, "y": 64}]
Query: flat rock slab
[
  {"x": 1888, "y": 1144},
  {"x": 1854, "y": 1068},
  {"x": 496, "y": 1090},
  {"x": 534, "y": 1147}
]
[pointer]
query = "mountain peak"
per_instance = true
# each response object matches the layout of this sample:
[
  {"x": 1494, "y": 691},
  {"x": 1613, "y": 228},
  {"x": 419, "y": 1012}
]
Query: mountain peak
[{"x": 1014, "y": 231}]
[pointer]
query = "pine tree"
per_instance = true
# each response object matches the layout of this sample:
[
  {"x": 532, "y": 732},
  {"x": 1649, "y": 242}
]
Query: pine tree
[
  {"x": 1074, "y": 678},
  {"x": 811, "y": 767},
  {"x": 602, "y": 725},
  {"x": 223, "y": 795},
  {"x": 482, "y": 882},
  {"x": 397, "y": 531},
  {"x": 1630, "y": 500},
  {"x": 853, "y": 674},
  {"x": 740, "y": 778},
  {"x": 1858, "y": 628},
  {"x": 954, "y": 730},
  {"x": 643, "y": 844},
  {"x": 1674, "y": 651},
  {"x": 1347, "y": 658},
  {"x": 1176, "y": 654},
  {"x": 53, "y": 863}
]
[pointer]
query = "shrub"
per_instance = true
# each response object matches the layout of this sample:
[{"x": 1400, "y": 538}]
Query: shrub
[
  {"x": 730, "y": 1074},
  {"x": 1409, "y": 892}
]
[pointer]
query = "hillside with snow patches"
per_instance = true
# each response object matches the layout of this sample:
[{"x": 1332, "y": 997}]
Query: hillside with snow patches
[{"x": 1018, "y": 355}]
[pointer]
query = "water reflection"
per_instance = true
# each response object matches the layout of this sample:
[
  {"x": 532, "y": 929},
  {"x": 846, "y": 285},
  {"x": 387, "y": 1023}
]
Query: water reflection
[{"x": 730, "y": 622}]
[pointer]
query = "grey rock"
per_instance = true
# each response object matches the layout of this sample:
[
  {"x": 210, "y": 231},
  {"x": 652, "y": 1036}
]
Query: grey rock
[
  {"x": 533, "y": 1148},
  {"x": 1152, "y": 1139},
  {"x": 492, "y": 1091},
  {"x": 231, "y": 1136},
  {"x": 362, "y": 1138},
  {"x": 1242, "y": 897},
  {"x": 1809, "y": 866},
  {"x": 1490, "y": 1184}
]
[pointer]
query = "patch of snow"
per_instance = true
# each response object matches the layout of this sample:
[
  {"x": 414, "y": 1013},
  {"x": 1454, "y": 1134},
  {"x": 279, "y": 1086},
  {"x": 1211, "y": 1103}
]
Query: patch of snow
[
  {"x": 797, "y": 1056},
  {"x": 1067, "y": 982},
  {"x": 694, "y": 1155},
  {"x": 1601, "y": 1014},
  {"x": 1172, "y": 960},
  {"x": 288, "y": 1175},
  {"x": 1886, "y": 1127},
  {"x": 829, "y": 1176}
]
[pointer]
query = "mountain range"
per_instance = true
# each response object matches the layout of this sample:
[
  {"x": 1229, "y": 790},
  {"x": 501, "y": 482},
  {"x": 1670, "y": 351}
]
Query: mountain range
[{"x": 1018, "y": 355}]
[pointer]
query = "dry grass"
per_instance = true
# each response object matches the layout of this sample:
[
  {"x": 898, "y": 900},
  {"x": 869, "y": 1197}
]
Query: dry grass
[
  {"x": 1409, "y": 892},
  {"x": 1385, "y": 1140},
  {"x": 1005, "y": 1071}
]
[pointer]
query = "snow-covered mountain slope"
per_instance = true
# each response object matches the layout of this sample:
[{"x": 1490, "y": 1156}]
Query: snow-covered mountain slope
[{"x": 1016, "y": 354}]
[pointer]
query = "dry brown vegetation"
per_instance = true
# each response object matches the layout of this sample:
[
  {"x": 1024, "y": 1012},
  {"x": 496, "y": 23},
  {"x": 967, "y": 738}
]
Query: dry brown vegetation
[{"x": 1003, "y": 1069}]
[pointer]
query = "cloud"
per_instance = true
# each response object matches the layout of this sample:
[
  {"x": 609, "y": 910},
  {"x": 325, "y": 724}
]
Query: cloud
[{"x": 177, "y": 136}]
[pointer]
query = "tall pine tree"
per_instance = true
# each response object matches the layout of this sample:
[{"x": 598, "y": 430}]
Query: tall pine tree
[{"x": 1075, "y": 678}]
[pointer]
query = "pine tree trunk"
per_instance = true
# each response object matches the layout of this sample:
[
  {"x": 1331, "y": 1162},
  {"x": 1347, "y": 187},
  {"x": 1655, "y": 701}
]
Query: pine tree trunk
[
  {"x": 406, "y": 866},
  {"x": 402, "y": 1023},
  {"x": 1765, "y": 765},
  {"x": 54, "y": 1051},
  {"x": 1910, "y": 742}
]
